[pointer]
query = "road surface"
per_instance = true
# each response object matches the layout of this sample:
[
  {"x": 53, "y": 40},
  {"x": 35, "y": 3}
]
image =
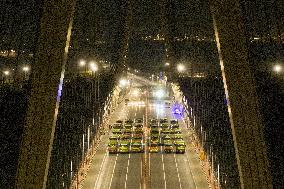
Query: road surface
[{"x": 145, "y": 170}]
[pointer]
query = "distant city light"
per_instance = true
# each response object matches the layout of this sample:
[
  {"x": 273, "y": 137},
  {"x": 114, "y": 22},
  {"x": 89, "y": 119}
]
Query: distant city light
[
  {"x": 6, "y": 72},
  {"x": 167, "y": 64},
  {"x": 277, "y": 68},
  {"x": 181, "y": 68}
]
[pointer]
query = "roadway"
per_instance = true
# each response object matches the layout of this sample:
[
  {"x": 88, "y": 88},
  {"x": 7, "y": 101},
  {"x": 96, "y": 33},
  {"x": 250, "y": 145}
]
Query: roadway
[{"x": 144, "y": 170}]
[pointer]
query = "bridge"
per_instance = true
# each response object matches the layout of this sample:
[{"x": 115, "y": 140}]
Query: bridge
[{"x": 109, "y": 125}]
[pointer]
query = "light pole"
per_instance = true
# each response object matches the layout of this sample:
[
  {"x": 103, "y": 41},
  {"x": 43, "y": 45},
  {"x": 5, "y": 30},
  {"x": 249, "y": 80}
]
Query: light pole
[
  {"x": 94, "y": 68},
  {"x": 181, "y": 68},
  {"x": 277, "y": 68},
  {"x": 6, "y": 75},
  {"x": 82, "y": 63},
  {"x": 25, "y": 69}
]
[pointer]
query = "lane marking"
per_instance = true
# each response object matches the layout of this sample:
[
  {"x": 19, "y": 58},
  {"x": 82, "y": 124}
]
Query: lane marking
[
  {"x": 125, "y": 183},
  {"x": 177, "y": 172},
  {"x": 141, "y": 176},
  {"x": 186, "y": 154},
  {"x": 113, "y": 171},
  {"x": 164, "y": 172},
  {"x": 100, "y": 171},
  {"x": 149, "y": 167}
]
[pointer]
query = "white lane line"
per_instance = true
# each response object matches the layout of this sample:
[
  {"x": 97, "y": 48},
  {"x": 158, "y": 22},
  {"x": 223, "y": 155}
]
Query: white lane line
[
  {"x": 186, "y": 154},
  {"x": 177, "y": 172},
  {"x": 100, "y": 171},
  {"x": 126, "y": 171},
  {"x": 141, "y": 162},
  {"x": 190, "y": 170},
  {"x": 149, "y": 166},
  {"x": 164, "y": 171},
  {"x": 113, "y": 171}
]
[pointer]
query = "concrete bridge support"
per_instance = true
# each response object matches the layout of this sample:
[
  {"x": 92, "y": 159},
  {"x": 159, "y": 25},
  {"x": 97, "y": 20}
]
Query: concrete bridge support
[
  {"x": 239, "y": 84},
  {"x": 47, "y": 81}
]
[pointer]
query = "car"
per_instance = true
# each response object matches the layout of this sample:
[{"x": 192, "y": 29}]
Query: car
[
  {"x": 137, "y": 147},
  {"x": 173, "y": 121},
  {"x": 112, "y": 147},
  {"x": 168, "y": 147},
  {"x": 154, "y": 121},
  {"x": 172, "y": 131},
  {"x": 172, "y": 136},
  {"x": 139, "y": 125},
  {"x": 177, "y": 131},
  {"x": 129, "y": 121},
  {"x": 166, "y": 131},
  {"x": 152, "y": 126},
  {"x": 139, "y": 128},
  {"x": 139, "y": 120},
  {"x": 154, "y": 131},
  {"x": 123, "y": 147},
  {"x": 119, "y": 121},
  {"x": 153, "y": 148},
  {"x": 179, "y": 141},
  {"x": 125, "y": 136},
  {"x": 137, "y": 137},
  {"x": 116, "y": 126},
  {"x": 114, "y": 137},
  {"x": 163, "y": 120},
  {"x": 164, "y": 125},
  {"x": 174, "y": 126},
  {"x": 128, "y": 126},
  {"x": 180, "y": 147},
  {"x": 127, "y": 130},
  {"x": 138, "y": 131},
  {"x": 166, "y": 139},
  {"x": 177, "y": 136},
  {"x": 154, "y": 138},
  {"x": 116, "y": 131}
]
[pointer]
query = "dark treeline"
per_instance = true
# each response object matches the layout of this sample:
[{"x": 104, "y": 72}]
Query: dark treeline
[
  {"x": 13, "y": 107},
  {"x": 206, "y": 97},
  {"x": 78, "y": 107}
]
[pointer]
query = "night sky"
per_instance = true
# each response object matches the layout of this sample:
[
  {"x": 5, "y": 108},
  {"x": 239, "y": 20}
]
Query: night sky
[{"x": 95, "y": 19}]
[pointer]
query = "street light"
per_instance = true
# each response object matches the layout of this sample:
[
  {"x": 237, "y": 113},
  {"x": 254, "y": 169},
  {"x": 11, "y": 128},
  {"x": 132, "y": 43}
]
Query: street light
[
  {"x": 123, "y": 82},
  {"x": 93, "y": 66},
  {"x": 6, "y": 73},
  {"x": 82, "y": 63},
  {"x": 26, "y": 69},
  {"x": 160, "y": 93},
  {"x": 181, "y": 68},
  {"x": 277, "y": 68}
]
